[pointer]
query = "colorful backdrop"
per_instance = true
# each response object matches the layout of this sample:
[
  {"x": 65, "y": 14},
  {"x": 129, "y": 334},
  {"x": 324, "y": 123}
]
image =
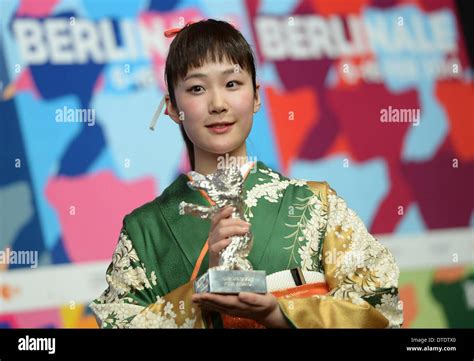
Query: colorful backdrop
[{"x": 376, "y": 97}]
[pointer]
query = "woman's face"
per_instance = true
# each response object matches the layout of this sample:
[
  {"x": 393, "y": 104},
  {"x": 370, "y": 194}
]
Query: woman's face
[{"x": 216, "y": 103}]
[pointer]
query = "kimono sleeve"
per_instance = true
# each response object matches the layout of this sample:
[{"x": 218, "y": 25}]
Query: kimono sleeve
[
  {"x": 131, "y": 299},
  {"x": 361, "y": 274}
]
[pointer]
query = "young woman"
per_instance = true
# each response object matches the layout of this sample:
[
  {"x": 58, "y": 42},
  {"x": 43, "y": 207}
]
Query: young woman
[{"x": 323, "y": 268}]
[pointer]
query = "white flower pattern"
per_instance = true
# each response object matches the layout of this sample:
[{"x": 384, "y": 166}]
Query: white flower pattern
[
  {"x": 271, "y": 190},
  {"x": 366, "y": 269},
  {"x": 392, "y": 309},
  {"x": 126, "y": 275}
]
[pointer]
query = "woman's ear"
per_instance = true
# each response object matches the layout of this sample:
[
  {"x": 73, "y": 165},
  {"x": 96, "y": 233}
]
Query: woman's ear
[
  {"x": 256, "y": 101},
  {"x": 172, "y": 112}
]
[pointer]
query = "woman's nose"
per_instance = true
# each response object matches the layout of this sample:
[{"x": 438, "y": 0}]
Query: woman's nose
[{"x": 217, "y": 104}]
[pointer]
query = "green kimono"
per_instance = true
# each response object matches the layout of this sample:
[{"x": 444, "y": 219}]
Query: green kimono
[{"x": 295, "y": 223}]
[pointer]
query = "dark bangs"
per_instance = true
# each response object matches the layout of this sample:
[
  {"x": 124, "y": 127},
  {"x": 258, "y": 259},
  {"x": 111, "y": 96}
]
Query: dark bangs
[{"x": 206, "y": 41}]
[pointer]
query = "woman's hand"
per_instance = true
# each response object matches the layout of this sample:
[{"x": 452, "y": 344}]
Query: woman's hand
[
  {"x": 222, "y": 228},
  {"x": 262, "y": 308}
]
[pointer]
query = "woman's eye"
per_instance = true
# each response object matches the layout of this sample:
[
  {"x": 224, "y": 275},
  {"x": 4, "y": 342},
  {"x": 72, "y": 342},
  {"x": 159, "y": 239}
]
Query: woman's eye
[
  {"x": 233, "y": 84},
  {"x": 195, "y": 89}
]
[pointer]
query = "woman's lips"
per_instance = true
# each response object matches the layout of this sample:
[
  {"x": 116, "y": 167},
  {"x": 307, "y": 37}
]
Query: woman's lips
[{"x": 220, "y": 128}]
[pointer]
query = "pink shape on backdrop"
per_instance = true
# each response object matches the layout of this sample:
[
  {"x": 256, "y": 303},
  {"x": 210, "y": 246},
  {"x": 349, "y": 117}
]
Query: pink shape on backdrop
[
  {"x": 9, "y": 319},
  {"x": 99, "y": 84},
  {"x": 101, "y": 201},
  {"x": 39, "y": 319},
  {"x": 25, "y": 82},
  {"x": 184, "y": 164},
  {"x": 36, "y": 8}
]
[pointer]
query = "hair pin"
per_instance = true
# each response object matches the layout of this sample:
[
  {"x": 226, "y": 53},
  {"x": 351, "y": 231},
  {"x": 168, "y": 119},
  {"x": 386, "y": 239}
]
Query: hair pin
[
  {"x": 173, "y": 31},
  {"x": 157, "y": 114}
]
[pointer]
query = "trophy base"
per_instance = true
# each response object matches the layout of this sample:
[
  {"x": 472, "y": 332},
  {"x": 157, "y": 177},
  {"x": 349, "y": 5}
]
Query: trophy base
[{"x": 231, "y": 282}]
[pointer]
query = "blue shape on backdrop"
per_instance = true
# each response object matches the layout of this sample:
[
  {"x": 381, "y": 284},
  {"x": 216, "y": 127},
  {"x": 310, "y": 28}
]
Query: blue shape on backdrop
[
  {"x": 103, "y": 9},
  {"x": 412, "y": 222},
  {"x": 58, "y": 253},
  {"x": 83, "y": 150},
  {"x": 162, "y": 5}
]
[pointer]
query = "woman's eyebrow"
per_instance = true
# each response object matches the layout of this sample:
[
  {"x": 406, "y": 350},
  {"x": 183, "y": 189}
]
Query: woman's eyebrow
[{"x": 203, "y": 75}]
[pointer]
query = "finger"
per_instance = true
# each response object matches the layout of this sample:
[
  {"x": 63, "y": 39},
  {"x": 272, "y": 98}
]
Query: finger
[
  {"x": 219, "y": 246},
  {"x": 212, "y": 307},
  {"x": 226, "y": 232},
  {"x": 233, "y": 311},
  {"x": 253, "y": 299},
  {"x": 226, "y": 212},
  {"x": 233, "y": 222},
  {"x": 223, "y": 301}
]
